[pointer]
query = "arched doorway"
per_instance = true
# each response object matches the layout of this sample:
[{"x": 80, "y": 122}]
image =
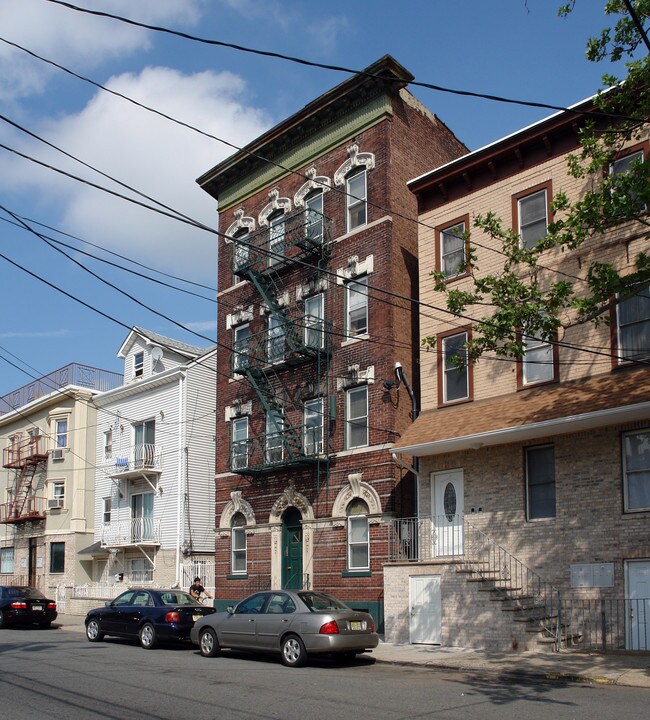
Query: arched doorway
[{"x": 291, "y": 549}]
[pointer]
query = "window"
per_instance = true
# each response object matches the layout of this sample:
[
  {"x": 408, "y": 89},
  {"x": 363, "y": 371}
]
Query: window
[
  {"x": 314, "y": 314},
  {"x": 58, "y": 493},
  {"x": 454, "y": 378},
  {"x": 238, "y": 541},
  {"x": 451, "y": 256},
  {"x": 539, "y": 362},
  {"x": 108, "y": 444},
  {"x": 621, "y": 167},
  {"x": 252, "y": 605},
  {"x": 636, "y": 469},
  {"x": 633, "y": 325},
  {"x": 57, "y": 557},
  {"x": 138, "y": 364},
  {"x": 140, "y": 571},
  {"x": 61, "y": 433},
  {"x": 274, "y": 436},
  {"x": 356, "y": 197},
  {"x": 357, "y": 307},
  {"x": 532, "y": 214},
  {"x": 241, "y": 347},
  {"x": 275, "y": 340},
  {"x": 276, "y": 239},
  {"x": 240, "y": 252},
  {"x": 314, "y": 217},
  {"x": 358, "y": 536},
  {"x": 239, "y": 447},
  {"x": 6, "y": 560},
  {"x": 107, "y": 505},
  {"x": 144, "y": 442},
  {"x": 540, "y": 482},
  {"x": 313, "y": 439},
  {"x": 356, "y": 410}
]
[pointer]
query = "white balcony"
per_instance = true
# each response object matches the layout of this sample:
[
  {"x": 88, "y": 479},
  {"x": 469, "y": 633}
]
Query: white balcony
[
  {"x": 137, "y": 461},
  {"x": 134, "y": 532}
]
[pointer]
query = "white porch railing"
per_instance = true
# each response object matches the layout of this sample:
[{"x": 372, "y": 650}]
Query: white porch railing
[
  {"x": 102, "y": 591},
  {"x": 137, "y": 531},
  {"x": 139, "y": 457},
  {"x": 205, "y": 569}
]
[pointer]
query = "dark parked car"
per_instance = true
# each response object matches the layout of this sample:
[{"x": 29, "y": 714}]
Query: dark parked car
[
  {"x": 295, "y": 624},
  {"x": 21, "y": 605},
  {"x": 151, "y": 615}
]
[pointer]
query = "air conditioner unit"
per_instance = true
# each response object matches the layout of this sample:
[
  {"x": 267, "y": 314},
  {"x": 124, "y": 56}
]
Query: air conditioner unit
[
  {"x": 55, "y": 504},
  {"x": 57, "y": 454}
]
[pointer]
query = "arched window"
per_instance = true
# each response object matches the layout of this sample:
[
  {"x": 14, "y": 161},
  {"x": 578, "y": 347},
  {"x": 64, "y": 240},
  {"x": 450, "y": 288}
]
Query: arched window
[
  {"x": 238, "y": 544},
  {"x": 358, "y": 535},
  {"x": 240, "y": 251}
]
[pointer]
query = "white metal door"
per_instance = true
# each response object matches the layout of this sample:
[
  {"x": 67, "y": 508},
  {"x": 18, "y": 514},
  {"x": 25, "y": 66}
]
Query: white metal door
[
  {"x": 448, "y": 504},
  {"x": 425, "y": 610},
  {"x": 638, "y": 605}
]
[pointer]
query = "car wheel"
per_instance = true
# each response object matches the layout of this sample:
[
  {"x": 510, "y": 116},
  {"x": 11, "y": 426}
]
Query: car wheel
[
  {"x": 148, "y": 638},
  {"x": 208, "y": 643},
  {"x": 93, "y": 633},
  {"x": 293, "y": 651}
]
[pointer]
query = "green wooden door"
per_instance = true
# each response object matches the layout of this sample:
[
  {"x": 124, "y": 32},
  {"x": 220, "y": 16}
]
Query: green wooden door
[{"x": 291, "y": 550}]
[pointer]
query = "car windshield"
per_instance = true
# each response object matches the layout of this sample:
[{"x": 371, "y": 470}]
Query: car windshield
[
  {"x": 177, "y": 598},
  {"x": 24, "y": 592},
  {"x": 318, "y": 602}
]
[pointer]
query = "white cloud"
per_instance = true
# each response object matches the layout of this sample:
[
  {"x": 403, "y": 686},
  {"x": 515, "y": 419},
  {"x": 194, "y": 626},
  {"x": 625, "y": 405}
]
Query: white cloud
[
  {"x": 152, "y": 155},
  {"x": 70, "y": 37}
]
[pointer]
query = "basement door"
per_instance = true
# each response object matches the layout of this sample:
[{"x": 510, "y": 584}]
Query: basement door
[
  {"x": 638, "y": 605},
  {"x": 425, "y": 610},
  {"x": 448, "y": 504}
]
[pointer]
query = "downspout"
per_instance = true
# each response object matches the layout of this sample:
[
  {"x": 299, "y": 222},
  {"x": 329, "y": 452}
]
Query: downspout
[
  {"x": 181, "y": 475},
  {"x": 415, "y": 468}
]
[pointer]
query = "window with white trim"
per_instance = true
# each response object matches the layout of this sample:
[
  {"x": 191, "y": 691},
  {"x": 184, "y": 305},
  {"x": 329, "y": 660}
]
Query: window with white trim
[
  {"x": 238, "y": 561},
  {"x": 276, "y": 239},
  {"x": 6, "y": 560},
  {"x": 455, "y": 374},
  {"x": 58, "y": 493},
  {"x": 275, "y": 343},
  {"x": 138, "y": 364},
  {"x": 532, "y": 212},
  {"x": 356, "y": 415},
  {"x": 537, "y": 362},
  {"x": 108, "y": 444},
  {"x": 356, "y": 320},
  {"x": 61, "y": 433},
  {"x": 240, "y": 251},
  {"x": 636, "y": 470},
  {"x": 358, "y": 535},
  {"x": 633, "y": 327},
  {"x": 240, "y": 346},
  {"x": 107, "y": 506},
  {"x": 274, "y": 436},
  {"x": 314, "y": 216},
  {"x": 540, "y": 482},
  {"x": 356, "y": 198},
  {"x": 239, "y": 443},
  {"x": 313, "y": 427},
  {"x": 314, "y": 315}
]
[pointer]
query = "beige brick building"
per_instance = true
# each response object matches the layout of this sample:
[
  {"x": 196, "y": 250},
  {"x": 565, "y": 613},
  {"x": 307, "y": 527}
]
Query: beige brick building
[{"x": 534, "y": 475}]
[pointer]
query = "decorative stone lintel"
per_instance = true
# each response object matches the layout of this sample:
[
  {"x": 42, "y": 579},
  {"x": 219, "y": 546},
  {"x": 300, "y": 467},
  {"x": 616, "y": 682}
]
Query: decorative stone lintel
[
  {"x": 355, "y": 268},
  {"x": 238, "y": 317},
  {"x": 355, "y": 159},
  {"x": 356, "y": 376}
]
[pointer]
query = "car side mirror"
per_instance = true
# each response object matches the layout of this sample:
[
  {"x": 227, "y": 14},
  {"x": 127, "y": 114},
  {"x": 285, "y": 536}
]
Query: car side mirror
[
  {"x": 230, "y": 610},
  {"x": 108, "y": 603}
]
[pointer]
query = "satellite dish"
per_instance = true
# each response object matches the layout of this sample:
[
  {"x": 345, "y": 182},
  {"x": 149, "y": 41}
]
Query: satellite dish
[{"x": 156, "y": 354}]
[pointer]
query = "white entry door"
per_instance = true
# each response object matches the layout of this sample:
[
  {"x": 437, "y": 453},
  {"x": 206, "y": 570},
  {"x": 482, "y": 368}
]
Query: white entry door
[
  {"x": 425, "y": 610},
  {"x": 638, "y": 605},
  {"x": 448, "y": 504}
]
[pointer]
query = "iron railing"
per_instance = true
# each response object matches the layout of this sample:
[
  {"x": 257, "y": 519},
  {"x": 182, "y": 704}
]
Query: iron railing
[
  {"x": 264, "y": 453},
  {"x": 101, "y": 591},
  {"x": 137, "y": 531},
  {"x": 29, "y": 450},
  {"x": 22, "y": 509},
  {"x": 139, "y": 457}
]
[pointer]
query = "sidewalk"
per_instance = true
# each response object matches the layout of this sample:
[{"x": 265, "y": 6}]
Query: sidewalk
[{"x": 629, "y": 669}]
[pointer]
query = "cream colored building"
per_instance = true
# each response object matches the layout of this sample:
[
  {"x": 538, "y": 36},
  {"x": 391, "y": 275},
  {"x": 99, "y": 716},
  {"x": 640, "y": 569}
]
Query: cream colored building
[
  {"x": 47, "y": 435},
  {"x": 533, "y": 518}
]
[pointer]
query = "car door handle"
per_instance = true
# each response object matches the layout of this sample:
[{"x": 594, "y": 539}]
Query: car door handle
[{"x": 251, "y": 619}]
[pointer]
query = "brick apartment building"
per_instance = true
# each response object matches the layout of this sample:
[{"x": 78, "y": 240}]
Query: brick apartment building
[
  {"x": 534, "y": 475},
  {"x": 317, "y": 224}
]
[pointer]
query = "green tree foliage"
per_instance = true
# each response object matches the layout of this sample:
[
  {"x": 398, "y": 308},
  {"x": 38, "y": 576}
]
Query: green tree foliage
[{"x": 523, "y": 294}]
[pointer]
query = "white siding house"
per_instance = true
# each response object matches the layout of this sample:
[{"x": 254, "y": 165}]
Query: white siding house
[{"x": 154, "y": 487}]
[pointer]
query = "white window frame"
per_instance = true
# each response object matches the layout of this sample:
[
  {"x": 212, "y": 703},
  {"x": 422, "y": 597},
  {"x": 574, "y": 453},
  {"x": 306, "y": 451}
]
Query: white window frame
[
  {"x": 450, "y": 367},
  {"x": 240, "y": 251},
  {"x": 138, "y": 364},
  {"x": 274, "y": 439},
  {"x": 61, "y": 435},
  {"x": 239, "y": 438},
  {"x": 455, "y": 232},
  {"x": 240, "y": 334},
  {"x": 276, "y": 340},
  {"x": 356, "y": 301},
  {"x": 7, "y": 560},
  {"x": 277, "y": 233},
  {"x": 530, "y": 515},
  {"x": 313, "y": 426},
  {"x": 58, "y": 491},
  {"x": 107, "y": 508},
  {"x": 356, "y": 523},
  {"x": 525, "y": 224},
  {"x": 538, "y": 356},
  {"x": 108, "y": 444},
  {"x": 644, "y": 325},
  {"x": 238, "y": 549},
  {"x": 356, "y": 421},
  {"x": 314, "y": 317},
  {"x": 627, "y": 471},
  {"x": 314, "y": 220},
  {"x": 355, "y": 200}
]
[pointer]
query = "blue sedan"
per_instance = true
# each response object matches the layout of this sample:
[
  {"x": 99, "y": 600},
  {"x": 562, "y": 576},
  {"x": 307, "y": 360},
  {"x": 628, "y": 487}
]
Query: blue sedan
[{"x": 150, "y": 615}]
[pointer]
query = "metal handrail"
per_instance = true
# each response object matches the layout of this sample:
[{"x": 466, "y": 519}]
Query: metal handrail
[{"x": 136, "y": 531}]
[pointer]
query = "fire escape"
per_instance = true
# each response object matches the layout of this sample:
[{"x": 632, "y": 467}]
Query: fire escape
[
  {"x": 27, "y": 458},
  {"x": 292, "y": 339}
]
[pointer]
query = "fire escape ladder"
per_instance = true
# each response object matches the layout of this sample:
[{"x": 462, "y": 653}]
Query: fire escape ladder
[{"x": 23, "y": 489}]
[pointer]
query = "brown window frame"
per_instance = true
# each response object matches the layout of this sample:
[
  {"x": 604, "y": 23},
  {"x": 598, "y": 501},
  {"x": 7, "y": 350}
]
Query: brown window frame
[
  {"x": 521, "y": 385},
  {"x": 441, "y": 337},
  {"x": 548, "y": 186},
  {"x": 439, "y": 231}
]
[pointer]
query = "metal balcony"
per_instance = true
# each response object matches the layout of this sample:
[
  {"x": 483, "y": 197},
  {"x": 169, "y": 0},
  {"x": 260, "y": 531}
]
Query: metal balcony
[
  {"x": 300, "y": 236},
  {"x": 25, "y": 452},
  {"x": 266, "y": 453},
  {"x": 137, "y": 461},
  {"x": 134, "y": 532},
  {"x": 23, "y": 510}
]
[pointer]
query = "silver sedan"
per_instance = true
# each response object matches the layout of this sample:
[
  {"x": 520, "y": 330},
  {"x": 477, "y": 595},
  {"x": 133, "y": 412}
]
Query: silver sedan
[{"x": 295, "y": 624}]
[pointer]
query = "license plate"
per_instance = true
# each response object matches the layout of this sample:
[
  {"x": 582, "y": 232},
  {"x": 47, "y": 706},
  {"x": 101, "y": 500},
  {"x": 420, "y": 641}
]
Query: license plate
[
  {"x": 37, "y": 607},
  {"x": 357, "y": 625},
  {"x": 196, "y": 617}
]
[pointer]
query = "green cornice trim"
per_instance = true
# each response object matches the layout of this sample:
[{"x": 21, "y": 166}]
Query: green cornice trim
[{"x": 300, "y": 155}]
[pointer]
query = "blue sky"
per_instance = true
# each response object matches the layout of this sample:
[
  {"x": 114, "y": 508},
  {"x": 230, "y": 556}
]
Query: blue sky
[{"x": 518, "y": 49}]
